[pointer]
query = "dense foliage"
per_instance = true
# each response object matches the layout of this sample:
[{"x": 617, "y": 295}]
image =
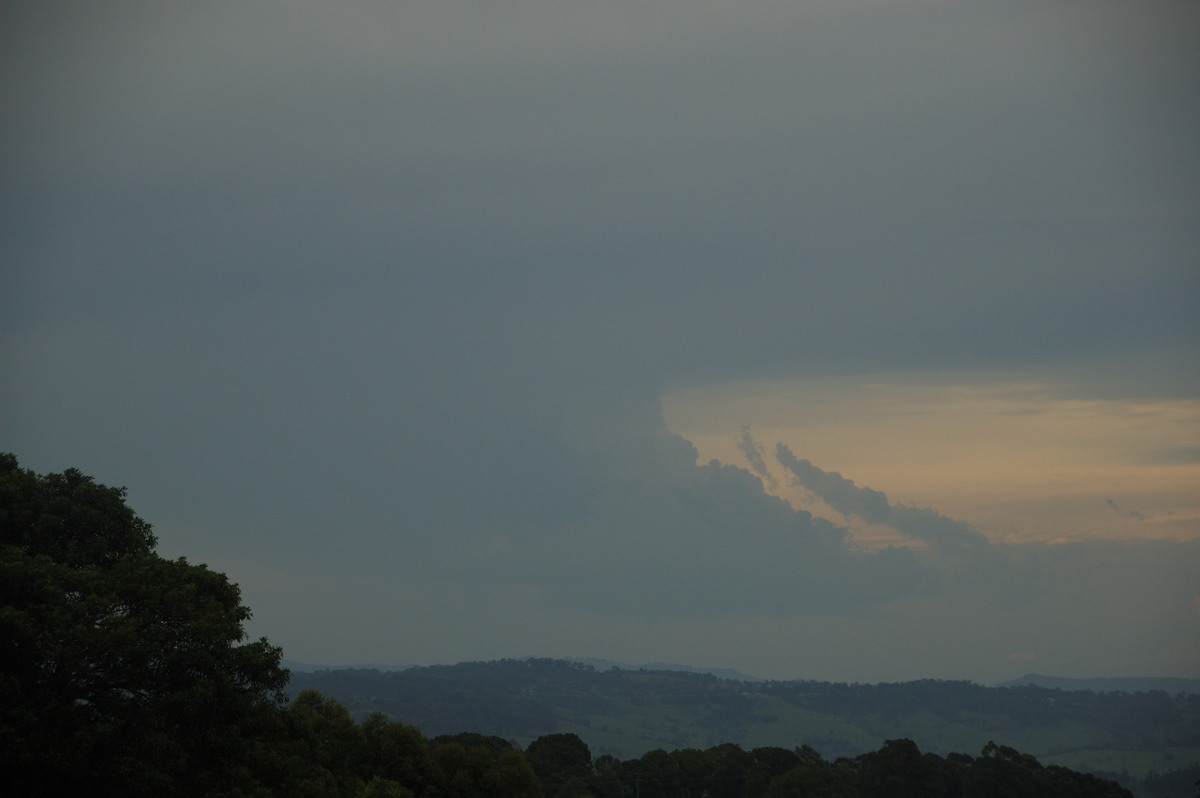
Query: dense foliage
[
  {"x": 124, "y": 673},
  {"x": 120, "y": 671}
]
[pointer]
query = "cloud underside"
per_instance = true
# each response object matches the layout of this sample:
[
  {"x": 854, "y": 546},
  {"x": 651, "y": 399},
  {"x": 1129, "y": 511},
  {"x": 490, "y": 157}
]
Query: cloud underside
[{"x": 395, "y": 289}]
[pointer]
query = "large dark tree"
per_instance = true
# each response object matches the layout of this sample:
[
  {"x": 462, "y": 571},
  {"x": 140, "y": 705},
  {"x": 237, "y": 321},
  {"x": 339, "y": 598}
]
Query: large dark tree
[
  {"x": 562, "y": 762},
  {"x": 121, "y": 672}
]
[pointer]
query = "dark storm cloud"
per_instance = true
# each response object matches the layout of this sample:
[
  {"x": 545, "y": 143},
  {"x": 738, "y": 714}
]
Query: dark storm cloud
[
  {"x": 711, "y": 545},
  {"x": 396, "y": 288},
  {"x": 531, "y": 156}
]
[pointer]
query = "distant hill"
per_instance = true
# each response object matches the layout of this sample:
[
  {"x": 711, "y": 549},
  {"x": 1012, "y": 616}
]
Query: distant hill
[
  {"x": 592, "y": 662},
  {"x": 306, "y": 667},
  {"x": 607, "y": 665},
  {"x": 1111, "y": 685},
  {"x": 629, "y": 712}
]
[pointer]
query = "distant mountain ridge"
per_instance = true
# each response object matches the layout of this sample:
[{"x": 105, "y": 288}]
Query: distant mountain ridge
[
  {"x": 608, "y": 665},
  {"x": 1120, "y": 684},
  {"x": 307, "y": 667},
  {"x": 592, "y": 662},
  {"x": 1100, "y": 684}
]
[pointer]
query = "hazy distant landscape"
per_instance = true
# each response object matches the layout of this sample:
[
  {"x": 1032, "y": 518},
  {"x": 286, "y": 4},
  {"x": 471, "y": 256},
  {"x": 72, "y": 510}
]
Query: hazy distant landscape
[{"x": 626, "y": 713}]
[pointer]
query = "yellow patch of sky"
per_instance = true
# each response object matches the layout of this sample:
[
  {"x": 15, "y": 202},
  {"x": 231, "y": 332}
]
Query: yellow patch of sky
[{"x": 1018, "y": 461}]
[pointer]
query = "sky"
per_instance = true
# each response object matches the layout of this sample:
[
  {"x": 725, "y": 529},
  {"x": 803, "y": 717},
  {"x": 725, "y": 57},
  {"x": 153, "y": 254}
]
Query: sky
[{"x": 848, "y": 340}]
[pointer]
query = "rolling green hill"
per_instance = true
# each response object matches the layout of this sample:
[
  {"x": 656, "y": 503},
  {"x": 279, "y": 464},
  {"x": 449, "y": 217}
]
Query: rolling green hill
[{"x": 626, "y": 713}]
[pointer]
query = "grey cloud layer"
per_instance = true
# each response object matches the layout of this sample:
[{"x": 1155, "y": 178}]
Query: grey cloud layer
[
  {"x": 791, "y": 168},
  {"x": 396, "y": 288}
]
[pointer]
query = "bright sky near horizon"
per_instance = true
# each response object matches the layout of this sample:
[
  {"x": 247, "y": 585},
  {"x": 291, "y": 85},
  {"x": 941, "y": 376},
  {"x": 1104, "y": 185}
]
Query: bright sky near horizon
[
  {"x": 424, "y": 322},
  {"x": 1020, "y": 462}
]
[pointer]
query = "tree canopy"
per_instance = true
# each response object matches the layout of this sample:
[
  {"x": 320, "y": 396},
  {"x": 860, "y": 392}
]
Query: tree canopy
[{"x": 120, "y": 671}]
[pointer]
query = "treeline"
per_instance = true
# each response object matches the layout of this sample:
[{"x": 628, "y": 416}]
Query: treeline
[{"x": 322, "y": 751}]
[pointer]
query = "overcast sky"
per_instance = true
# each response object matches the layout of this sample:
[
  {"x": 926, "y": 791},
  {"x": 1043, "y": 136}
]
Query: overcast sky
[{"x": 836, "y": 340}]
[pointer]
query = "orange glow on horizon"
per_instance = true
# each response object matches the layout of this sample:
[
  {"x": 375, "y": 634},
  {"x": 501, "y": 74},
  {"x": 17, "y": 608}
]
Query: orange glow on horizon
[{"x": 1016, "y": 461}]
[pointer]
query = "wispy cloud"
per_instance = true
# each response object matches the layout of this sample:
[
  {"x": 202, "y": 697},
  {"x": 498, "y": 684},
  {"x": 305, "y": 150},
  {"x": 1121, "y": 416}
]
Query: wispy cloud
[
  {"x": 1134, "y": 514},
  {"x": 1176, "y": 455},
  {"x": 873, "y": 507},
  {"x": 752, "y": 450}
]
